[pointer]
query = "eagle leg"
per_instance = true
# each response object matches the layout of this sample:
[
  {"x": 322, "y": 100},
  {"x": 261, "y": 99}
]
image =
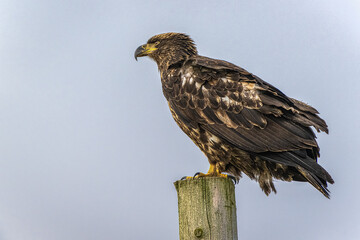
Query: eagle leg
[{"x": 213, "y": 172}]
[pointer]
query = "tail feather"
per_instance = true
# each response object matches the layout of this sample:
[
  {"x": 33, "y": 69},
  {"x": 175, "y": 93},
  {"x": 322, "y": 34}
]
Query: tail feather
[
  {"x": 315, "y": 181},
  {"x": 305, "y": 165}
]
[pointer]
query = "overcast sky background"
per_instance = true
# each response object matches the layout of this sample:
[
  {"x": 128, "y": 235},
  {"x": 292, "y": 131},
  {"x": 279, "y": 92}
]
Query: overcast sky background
[{"x": 88, "y": 148}]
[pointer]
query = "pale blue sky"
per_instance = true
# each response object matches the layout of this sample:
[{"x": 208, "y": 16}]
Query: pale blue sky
[{"x": 88, "y": 148}]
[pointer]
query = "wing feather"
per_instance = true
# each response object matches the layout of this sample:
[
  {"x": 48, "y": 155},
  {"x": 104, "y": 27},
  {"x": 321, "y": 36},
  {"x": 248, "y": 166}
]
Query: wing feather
[
  {"x": 248, "y": 113},
  {"x": 237, "y": 105}
]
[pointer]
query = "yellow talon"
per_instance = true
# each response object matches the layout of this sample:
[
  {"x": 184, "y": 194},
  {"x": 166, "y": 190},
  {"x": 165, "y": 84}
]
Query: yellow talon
[{"x": 213, "y": 172}]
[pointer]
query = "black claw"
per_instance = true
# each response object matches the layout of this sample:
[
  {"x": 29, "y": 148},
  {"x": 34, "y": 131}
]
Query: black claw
[
  {"x": 233, "y": 178},
  {"x": 198, "y": 173},
  {"x": 183, "y": 178}
]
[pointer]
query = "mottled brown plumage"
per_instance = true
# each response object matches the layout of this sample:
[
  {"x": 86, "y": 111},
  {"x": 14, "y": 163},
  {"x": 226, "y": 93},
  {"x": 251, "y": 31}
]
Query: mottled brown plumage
[{"x": 242, "y": 123}]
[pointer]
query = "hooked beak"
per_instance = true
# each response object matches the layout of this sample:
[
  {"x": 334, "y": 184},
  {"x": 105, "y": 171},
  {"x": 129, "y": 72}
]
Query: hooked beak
[{"x": 144, "y": 50}]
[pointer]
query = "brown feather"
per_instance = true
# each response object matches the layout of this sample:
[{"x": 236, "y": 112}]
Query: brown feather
[{"x": 241, "y": 123}]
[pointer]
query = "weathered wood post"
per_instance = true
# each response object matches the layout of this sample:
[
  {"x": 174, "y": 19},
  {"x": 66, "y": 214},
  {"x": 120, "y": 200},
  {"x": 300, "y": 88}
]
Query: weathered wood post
[{"x": 207, "y": 209}]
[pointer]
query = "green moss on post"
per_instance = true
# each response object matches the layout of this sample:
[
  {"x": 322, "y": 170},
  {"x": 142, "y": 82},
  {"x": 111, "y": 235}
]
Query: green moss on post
[{"x": 207, "y": 209}]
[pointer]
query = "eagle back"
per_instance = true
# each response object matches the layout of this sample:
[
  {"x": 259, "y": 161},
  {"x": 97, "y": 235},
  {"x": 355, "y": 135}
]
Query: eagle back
[{"x": 201, "y": 85}]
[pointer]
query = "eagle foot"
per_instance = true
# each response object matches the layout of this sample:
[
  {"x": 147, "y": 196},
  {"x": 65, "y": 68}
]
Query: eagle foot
[
  {"x": 213, "y": 172},
  {"x": 202, "y": 175}
]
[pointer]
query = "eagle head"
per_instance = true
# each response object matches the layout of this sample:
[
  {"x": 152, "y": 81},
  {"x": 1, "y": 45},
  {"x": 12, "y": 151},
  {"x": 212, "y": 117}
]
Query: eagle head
[{"x": 167, "y": 48}]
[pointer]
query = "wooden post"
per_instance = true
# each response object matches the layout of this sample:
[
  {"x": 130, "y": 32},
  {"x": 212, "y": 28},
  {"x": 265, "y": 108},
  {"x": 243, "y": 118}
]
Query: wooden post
[{"x": 207, "y": 209}]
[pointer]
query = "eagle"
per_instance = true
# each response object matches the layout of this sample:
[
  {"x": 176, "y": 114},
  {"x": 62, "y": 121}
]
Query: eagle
[{"x": 240, "y": 122}]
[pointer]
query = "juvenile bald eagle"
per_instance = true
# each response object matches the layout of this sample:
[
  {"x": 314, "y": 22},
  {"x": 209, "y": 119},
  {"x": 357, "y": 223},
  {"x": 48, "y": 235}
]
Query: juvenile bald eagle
[{"x": 240, "y": 122}]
